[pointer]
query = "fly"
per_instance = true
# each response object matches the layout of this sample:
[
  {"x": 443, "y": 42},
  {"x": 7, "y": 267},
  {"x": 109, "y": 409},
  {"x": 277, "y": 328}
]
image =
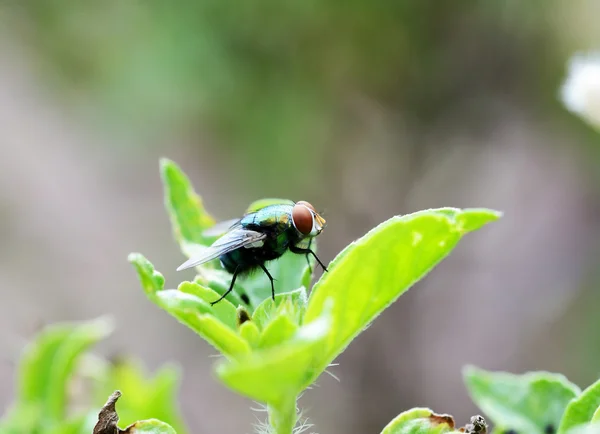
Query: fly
[{"x": 262, "y": 236}]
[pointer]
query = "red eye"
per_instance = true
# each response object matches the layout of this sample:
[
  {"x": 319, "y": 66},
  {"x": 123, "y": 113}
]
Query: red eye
[
  {"x": 302, "y": 218},
  {"x": 306, "y": 204}
]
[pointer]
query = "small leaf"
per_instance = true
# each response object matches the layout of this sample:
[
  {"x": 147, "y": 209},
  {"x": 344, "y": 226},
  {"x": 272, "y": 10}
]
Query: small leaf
[
  {"x": 188, "y": 217},
  {"x": 49, "y": 362},
  {"x": 420, "y": 421},
  {"x": 219, "y": 281},
  {"x": 175, "y": 301},
  {"x": 375, "y": 270},
  {"x": 581, "y": 409},
  {"x": 65, "y": 359},
  {"x": 275, "y": 374},
  {"x": 149, "y": 426},
  {"x": 152, "y": 281},
  {"x": 22, "y": 418},
  {"x": 277, "y": 331},
  {"x": 596, "y": 416},
  {"x": 267, "y": 309},
  {"x": 36, "y": 363},
  {"x": 526, "y": 403},
  {"x": 215, "y": 332},
  {"x": 193, "y": 311},
  {"x": 249, "y": 331},
  {"x": 223, "y": 310}
]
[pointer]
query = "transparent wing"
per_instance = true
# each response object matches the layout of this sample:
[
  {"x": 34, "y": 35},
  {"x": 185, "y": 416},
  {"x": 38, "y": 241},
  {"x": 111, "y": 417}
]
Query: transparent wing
[
  {"x": 232, "y": 240},
  {"x": 221, "y": 227}
]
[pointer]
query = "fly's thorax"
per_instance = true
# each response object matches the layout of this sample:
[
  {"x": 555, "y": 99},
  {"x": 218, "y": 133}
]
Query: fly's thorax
[{"x": 277, "y": 217}]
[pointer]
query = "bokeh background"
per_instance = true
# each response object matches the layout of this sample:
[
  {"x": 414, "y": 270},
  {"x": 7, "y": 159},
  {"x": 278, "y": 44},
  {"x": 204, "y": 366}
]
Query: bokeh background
[{"x": 366, "y": 109}]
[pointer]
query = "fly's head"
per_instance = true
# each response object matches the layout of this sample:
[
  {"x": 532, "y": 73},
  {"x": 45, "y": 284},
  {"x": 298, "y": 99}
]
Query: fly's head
[{"x": 307, "y": 220}]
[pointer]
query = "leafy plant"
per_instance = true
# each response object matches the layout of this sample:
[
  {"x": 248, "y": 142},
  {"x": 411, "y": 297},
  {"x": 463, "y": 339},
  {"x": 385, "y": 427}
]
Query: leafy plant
[
  {"x": 274, "y": 350},
  {"x": 58, "y": 358},
  {"x": 532, "y": 403},
  {"x": 535, "y": 402}
]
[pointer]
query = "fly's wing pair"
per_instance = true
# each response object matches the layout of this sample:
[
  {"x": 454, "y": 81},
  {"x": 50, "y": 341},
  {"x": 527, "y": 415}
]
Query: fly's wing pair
[
  {"x": 236, "y": 238},
  {"x": 222, "y": 227}
]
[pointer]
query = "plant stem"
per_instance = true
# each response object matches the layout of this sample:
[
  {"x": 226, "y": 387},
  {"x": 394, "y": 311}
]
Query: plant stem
[{"x": 282, "y": 416}]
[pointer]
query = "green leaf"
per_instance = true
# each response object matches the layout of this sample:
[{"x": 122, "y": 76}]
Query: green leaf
[
  {"x": 581, "y": 409},
  {"x": 150, "y": 426},
  {"x": 177, "y": 302},
  {"x": 145, "y": 395},
  {"x": 528, "y": 403},
  {"x": 49, "y": 362},
  {"x": 277, "y": 331},
  {"x": 596, "y": 415},
  {"x": 22, "y": 418},
  {"x": 197, "y": 315},
  {"x": 152, "y": 281},
  {"x": 65, "y": 361},
  {"x": 420, "y": 421},
  {"x": 276, "y": 374},
  {"x": 375, "y": 270},
  {"x": 219, "y": 281},
  {"x": 188, "y": 217},
  {"x": 192, "y": 310},
  {"x": 249, "y": 331},
  {"x": 265, "y": 311},
  {"x": 223, "y": 310}
]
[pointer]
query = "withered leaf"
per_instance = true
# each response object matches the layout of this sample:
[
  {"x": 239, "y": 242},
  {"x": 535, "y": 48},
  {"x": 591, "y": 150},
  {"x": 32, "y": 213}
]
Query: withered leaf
[{"x": 108, "y": 417}]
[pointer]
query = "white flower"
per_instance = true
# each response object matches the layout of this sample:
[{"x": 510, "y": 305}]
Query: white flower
[{"x": 581, "y": 90}]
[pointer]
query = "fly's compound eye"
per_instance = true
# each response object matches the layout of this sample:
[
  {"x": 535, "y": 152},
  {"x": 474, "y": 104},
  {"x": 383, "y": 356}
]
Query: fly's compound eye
[
  {"x": 306, "y": 204},
  {"x": 302, "y": 218}
]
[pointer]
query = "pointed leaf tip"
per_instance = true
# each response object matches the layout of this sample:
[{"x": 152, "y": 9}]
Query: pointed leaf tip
[
  {"x": 472, "y": 219},
  {"x": 152, "y": 281},
  {"x": 186, "y": 211},
  {"x": 163, "y": 162}
]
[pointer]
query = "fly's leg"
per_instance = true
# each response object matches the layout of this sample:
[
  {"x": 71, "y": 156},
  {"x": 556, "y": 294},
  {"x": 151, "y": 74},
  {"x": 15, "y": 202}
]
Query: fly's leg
[
  {"x": 235, "y": 273},
  {"x": 307, "y": 260},
  {"x": 271, "y": 279},
  {"x": 294, "y": 249}
]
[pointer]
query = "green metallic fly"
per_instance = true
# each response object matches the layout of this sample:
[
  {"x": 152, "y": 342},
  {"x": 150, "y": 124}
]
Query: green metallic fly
[{"x": 261, "y": 236}]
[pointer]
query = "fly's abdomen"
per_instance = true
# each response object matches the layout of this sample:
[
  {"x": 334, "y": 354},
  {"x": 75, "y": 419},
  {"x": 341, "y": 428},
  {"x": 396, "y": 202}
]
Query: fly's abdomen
[
  {"x": 247, "y": 259},
  {"x": 229, "y": 261}
]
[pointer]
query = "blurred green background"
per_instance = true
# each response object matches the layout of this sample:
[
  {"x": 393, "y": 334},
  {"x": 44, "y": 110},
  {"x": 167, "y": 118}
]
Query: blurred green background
[{"x": 365, "y": 109}]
